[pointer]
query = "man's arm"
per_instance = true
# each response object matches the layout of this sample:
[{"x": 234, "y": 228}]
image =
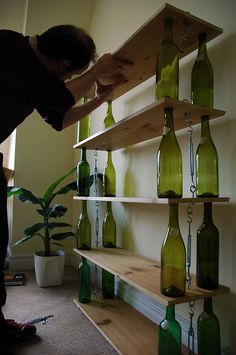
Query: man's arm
[{"x": 75, "y": 114}]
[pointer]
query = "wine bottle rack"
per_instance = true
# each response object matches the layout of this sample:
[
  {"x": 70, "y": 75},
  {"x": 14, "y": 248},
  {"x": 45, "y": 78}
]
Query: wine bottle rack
[{"x": 114, "y": 318}]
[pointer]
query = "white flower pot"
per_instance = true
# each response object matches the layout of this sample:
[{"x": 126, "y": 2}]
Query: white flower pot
[{"x": 49, "y": 270}]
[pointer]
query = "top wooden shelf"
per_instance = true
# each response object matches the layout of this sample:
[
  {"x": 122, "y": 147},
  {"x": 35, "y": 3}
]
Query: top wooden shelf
[
  {"x": 141, "y": 47},
  {"x": 146, "y": 124}
]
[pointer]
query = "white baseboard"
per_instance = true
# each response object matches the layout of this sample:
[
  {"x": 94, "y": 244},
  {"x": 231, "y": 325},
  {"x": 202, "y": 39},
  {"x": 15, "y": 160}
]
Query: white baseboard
[{"x": 26, "y": 262}]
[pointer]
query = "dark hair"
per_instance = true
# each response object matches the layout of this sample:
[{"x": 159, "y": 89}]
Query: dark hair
[{"x": 68, "y": 42}]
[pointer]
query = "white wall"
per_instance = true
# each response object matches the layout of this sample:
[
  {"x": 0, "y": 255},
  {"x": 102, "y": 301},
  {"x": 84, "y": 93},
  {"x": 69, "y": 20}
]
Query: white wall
[{"x": 142, "y": 228}]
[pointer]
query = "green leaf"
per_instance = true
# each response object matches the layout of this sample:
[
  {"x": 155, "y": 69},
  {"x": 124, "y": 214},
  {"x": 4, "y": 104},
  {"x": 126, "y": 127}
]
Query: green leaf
[
  {"x": 23, "y": 194},
  {"x": 71, "y": 186},
  {"x": 48, "y": 194},
  {"x": 53, "y": 211},
  {"x": 34, "y": 229},
  {"x": 62, "y": 236},
  {"x": 25, "y": 238}
]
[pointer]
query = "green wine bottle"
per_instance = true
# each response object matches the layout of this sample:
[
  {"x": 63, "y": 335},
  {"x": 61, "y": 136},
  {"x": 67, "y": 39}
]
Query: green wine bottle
[
  {"x": 109, "y": 119},
  {"x": 83, "y": 175},
  {"x": 84, "y": 126},
  {"x": 207, "y": 175},
  {"x": 169, "y": 334},
  {"x": 208, "y": 329},
  {"x": 169, "y": 161},
  {"x": 109, "y": 228},
  {"x": 84, "y": 289},
  {"x": 83, "y": 230},
  {"x": 109, "y": 177},
  {"x": 208, "y": 251},
  {"x": 167, "y": 67},
  {"x": 108, "y": 284},
  {"x": 202, "y": 79},
  {"x": 173, "y": 257}
]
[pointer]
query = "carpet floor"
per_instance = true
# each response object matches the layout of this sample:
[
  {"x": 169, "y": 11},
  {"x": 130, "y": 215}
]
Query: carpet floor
[{"x": 68, "y": 332}]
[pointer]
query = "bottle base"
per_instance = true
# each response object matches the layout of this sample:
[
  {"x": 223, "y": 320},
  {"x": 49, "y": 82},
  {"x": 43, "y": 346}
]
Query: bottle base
[{"x": 172, "y": 291}]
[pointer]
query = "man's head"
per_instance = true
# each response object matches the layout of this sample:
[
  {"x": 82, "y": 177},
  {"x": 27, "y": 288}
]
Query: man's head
[{"x": 68, "y": 46}]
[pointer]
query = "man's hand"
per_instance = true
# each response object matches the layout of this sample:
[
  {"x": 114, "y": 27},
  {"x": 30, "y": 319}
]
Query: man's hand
[
  {"x": 109, "y": 69},
  {"x": 103, "y": 92}
]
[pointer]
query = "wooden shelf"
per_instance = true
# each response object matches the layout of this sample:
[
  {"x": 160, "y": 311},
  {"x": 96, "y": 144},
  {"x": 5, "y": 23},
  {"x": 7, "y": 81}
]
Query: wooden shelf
[
  {"x": 126, "y": 329},
  {"x": 148, "y": 37},
  {"x": 115, "y": 319},
  {"x": 142, "y": 273},
  {"x": 146, "y": 124},
  {"x": 153, "y": 200}
]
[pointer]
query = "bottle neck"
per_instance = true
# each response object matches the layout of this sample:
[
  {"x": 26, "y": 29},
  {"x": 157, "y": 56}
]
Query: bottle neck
[
  {"x": 170, "y": 312},
  {"x": 168, "y": 30},
  {"x": 84, "y": 260},
  {"x": 207, "y": 212},
  {"x": 173, "y": 215},
  {"x": 109, "y": 107},
  {"x": 84, "y": 207},
  {"x": 208, "y": 308},
  {"x": 109, "y": 207},
  {"x": 168, "y": 113},
  {"x": 202, "y": 51},
  {"x": 84, "y": 154},
  {"x": 109, "y": 157},
  {"x": 205, "y": 127}
]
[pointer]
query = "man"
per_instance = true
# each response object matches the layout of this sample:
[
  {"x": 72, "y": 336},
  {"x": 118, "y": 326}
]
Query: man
[{"x": 36, "y": 73}]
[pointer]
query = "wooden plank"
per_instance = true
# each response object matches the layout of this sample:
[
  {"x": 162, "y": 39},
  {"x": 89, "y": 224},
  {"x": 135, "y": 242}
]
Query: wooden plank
[
  {"x": 153, "y": 200},
  {"x": 143, "y": 273},
  {"x": 141, "y": 47},
  {"x": 146, "y": 124},
  {"x": 126, "y": 329}
]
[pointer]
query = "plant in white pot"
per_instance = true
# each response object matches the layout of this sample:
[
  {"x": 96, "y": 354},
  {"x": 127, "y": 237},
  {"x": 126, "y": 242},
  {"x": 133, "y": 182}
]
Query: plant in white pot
[{"x": 49, "y": 264}]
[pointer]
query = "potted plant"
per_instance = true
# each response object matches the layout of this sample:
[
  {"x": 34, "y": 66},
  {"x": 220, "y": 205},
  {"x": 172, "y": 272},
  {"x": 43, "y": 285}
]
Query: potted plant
[{"x": 49, "y": 264}]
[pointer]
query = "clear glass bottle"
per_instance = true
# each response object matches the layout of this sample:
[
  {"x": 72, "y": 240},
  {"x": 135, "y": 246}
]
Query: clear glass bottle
[
  {"x": 83, "y": 230},
  {"x": 167, "y": 67},
  {"x": 208, "y": 329},
  {"x": 84, "y": 126},
  {"x": 208, "y": 251},
  {"x": 109, "y": 177},
  {"x": 170, "y": 334},
  {"x": 202, "y": 78},
  {"x": 108, "y": 284},
  {"x": 84, "y": 288},
  {"x": 207, "y": 172},
  {"x": 109, "y": 228},
  {"x": 169, "y": 161},
  {"x": 173, "y": 258},
  {"x": 83, "y": 175},
  {"x": 109, "y": 119}
]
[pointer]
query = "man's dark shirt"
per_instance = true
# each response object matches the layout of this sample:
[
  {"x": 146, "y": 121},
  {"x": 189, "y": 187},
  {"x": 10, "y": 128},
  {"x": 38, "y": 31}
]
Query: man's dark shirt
[{"x": 25, "y": 85}]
